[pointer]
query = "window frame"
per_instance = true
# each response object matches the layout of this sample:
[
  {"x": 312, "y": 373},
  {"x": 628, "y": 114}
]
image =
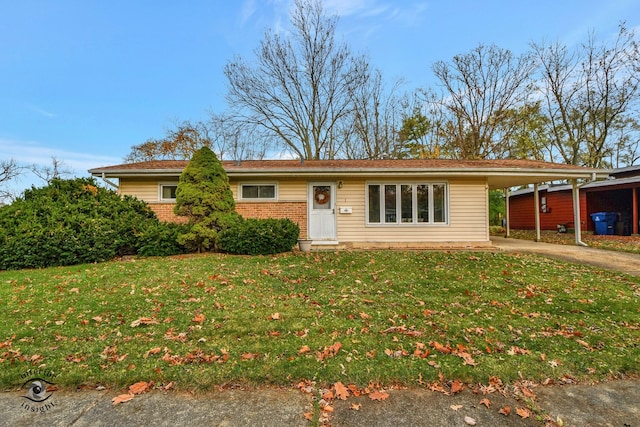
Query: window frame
[
  {"x": 398, "y": 222},
  {"x": 241, "y": 185},
  {"x": 161, "y": 187}
]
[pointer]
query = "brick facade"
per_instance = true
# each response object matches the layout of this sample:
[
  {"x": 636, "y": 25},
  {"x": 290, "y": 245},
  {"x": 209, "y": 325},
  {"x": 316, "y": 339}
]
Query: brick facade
[
  {"x": 164, "y": 212},
  {"x": 295, "y": 211}
]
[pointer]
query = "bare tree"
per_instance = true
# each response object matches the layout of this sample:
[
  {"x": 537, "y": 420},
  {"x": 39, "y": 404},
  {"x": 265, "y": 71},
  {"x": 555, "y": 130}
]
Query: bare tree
[
  {"x": 58, "y": 169},
  {"x": 298, "y": 90},
  {"x": 478, "y": 87},
  {"x": 587, "y": 93},
  {"x": 376, "y": 116},
  {"x": 237, "y": 140},
  {"x": 9, "y": 170}
]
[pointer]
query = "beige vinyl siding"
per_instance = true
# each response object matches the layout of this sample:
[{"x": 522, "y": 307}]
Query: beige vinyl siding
[
  {"x": 147, "y": 189},
  {"x": 467, "y": 211}
]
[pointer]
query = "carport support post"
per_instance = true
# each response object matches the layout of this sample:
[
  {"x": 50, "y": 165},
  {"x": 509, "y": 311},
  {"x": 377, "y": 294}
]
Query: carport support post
[
  {"x": 506, "y": 214},
  {"x": 635, "y": 210},
  {"x": 576, "y": 212},
  {"x": 536, "y": 200}
]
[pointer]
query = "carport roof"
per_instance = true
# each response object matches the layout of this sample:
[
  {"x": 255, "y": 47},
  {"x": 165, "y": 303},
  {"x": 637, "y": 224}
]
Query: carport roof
[{"x": 498, "y": 173}]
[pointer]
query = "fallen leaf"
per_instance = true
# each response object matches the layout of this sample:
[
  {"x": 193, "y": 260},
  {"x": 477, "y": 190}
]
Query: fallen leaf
[
  {"x": 470, "y": 421},
  {"x": 198, "y": 318},
  {"x": 441, "y": 348},
  {"x": 355, "y": 406},
  {"x": 122, "y": 398},
  {"x": 523, "y": 412},
  {"x": 584, "y": 344},
  {"x": 341, "y": 391},
  {"x": 275, "y": 316},
  {"x": 354, "y": 390},
  {"x": 327, "y": 408},
  {"x": 139, "y": 387},
  {"x": 143, "y": 321},
  {"x": 456, "y": 407},
  {"x": 379, "y": 395},
  {"x": 486, "y": 402},
  {"x": 328, "y": 395},
  {"x": 528, "y": 393},
  {"x": 154, "y": 350},
  {"x": 304, "y": 349},
  {"x": 505, "y": 410},
  {"x": 456, "y": 387}
]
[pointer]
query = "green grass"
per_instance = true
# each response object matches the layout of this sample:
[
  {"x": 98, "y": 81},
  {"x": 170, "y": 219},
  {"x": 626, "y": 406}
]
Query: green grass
[{"x": 387, "y": 317}]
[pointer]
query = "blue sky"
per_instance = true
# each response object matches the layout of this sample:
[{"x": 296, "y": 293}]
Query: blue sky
[{"x": 84, "y": 80}]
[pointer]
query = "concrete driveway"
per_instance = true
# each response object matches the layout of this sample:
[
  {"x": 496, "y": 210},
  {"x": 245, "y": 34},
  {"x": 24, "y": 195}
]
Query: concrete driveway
[{"x": 609, "y": 260}]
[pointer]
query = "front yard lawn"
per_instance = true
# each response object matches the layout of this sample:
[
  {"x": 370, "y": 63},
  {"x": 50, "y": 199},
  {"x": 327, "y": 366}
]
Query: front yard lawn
[{"x": 386, "y": 317}]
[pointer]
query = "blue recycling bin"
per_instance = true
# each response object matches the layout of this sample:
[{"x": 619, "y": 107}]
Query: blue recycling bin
[{"x": 604, "y": 222}]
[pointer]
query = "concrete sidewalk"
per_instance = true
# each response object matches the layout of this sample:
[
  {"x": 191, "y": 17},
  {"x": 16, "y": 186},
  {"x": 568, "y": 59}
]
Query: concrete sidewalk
[
  {"x": 609, "y": 260},
  {"x": 610, "y": 404}
]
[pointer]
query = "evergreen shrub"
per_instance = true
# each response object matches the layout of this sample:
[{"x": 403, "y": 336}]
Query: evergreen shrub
[{"x": 253, "y": 236}]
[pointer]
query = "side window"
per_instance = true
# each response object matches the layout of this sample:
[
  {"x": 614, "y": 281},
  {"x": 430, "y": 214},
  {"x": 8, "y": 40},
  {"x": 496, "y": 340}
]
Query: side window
[
  {"x": 258, "y": 191},
  {"x": 168, "y": 192}
]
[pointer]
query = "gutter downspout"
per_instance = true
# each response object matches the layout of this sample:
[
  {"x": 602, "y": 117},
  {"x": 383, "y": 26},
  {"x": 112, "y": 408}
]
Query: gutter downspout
[{"x": 111, "y": 183}]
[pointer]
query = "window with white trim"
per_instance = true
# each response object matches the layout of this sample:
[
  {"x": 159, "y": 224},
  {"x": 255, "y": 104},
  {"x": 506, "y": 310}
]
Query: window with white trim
[
  {"x": 258, "y": 191},
  {"x": 168, "y": 192},
  {"x": 407, "y": 203}
]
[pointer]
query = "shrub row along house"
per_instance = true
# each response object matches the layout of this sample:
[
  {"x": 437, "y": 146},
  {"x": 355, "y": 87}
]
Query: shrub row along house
[{"x": 358, "y": 203}]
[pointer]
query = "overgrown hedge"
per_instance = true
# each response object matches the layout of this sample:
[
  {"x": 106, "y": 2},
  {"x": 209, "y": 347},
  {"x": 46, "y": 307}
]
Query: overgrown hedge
[
  {"x": 259, "y": 237},
  {"x": 75, "y": 221}
]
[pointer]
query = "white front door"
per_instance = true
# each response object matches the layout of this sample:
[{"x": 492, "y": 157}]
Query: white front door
[{"x": 322, "y": 210}]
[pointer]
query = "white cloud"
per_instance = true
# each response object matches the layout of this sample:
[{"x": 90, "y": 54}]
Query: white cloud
[
  {"x": 41, "y": 111},
  {"x": 29, "y": 153},
  {"x": 247, "y": 11}
]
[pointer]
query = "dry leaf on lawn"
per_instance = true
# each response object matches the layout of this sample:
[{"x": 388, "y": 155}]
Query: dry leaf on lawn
[{"x": 198, "y": 318}]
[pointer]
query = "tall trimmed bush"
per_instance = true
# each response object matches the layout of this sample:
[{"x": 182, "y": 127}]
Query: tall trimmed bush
[{"x": 205, "y": 198}]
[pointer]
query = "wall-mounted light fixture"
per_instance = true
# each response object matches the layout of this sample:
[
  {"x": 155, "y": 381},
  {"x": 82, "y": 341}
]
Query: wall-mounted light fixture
[{"x": 340, "y": 184}]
